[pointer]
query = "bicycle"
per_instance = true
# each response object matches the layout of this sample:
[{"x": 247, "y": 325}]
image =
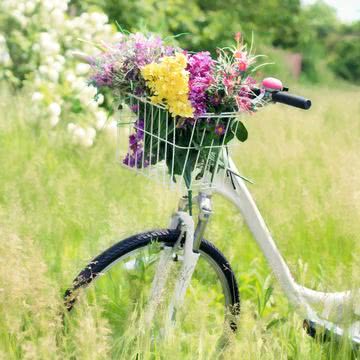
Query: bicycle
[{"x": 152, "y": 256}]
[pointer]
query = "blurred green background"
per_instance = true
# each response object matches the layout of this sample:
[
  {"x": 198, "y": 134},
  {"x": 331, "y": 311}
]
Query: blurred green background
[
  {"x": 305, "y": 41},
  {"x": 325, "y": 45},
  {"x": 63, "y": 198}
]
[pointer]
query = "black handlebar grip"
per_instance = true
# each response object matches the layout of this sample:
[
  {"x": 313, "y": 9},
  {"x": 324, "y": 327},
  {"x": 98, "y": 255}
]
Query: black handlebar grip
[{"x": 292, "y": 100}]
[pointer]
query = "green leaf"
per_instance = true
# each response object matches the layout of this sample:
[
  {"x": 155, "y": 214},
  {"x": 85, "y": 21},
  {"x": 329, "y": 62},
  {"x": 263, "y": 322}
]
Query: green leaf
[
  {"x": 241, "y": 132},
  {"x": 229, "y": 136},
  {"x": 187, "y": 174}
]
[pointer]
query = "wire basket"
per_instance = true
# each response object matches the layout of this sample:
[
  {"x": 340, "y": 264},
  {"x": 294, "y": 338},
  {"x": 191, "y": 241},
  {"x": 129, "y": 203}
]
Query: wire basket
[{"x": 176, "y": 152}]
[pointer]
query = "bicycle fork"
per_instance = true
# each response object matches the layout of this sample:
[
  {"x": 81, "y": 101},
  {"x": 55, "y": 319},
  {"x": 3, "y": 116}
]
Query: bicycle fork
[{"x": 189, "y": 241}]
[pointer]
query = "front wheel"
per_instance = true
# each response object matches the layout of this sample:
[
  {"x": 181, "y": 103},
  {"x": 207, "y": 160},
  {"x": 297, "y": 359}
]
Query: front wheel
[{"x": 124, "y": 275}]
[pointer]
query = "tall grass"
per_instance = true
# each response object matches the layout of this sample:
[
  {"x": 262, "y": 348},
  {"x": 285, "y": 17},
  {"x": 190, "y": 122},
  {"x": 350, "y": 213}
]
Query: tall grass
[{"x": 59, "y": 206}]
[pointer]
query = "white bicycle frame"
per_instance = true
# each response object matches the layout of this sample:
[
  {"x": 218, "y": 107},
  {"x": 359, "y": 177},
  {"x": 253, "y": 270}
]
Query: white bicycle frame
[
  {"x": 304, "y": 299},
  {"x": 235, "y": 190}
]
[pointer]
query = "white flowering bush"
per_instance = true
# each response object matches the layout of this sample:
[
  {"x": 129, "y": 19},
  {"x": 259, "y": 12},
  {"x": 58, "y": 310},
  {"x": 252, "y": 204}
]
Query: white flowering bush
[{"x": 36, "y": 41}]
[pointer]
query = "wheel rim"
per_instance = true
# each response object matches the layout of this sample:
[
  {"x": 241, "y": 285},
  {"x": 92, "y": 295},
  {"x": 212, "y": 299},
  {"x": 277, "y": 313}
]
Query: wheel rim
[{"x": 122, "y": 291}]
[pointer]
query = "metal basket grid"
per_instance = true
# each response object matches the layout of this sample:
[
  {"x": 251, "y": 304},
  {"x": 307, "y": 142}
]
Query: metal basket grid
[{"x": 151, "y": 142}]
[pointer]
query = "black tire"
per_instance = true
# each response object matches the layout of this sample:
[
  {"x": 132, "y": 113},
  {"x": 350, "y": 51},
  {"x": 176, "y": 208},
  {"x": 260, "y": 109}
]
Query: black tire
[{"x": 166, "y": 237}]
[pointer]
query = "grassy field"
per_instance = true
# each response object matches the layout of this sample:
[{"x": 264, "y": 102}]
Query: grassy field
[{"x": 59, "y": 206}]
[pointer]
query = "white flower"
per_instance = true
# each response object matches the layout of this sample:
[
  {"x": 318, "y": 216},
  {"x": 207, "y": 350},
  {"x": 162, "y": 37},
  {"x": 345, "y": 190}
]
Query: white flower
[
  {"x": 4, "y": 52},
  {"x": 99, "y": 18},
  {"x": 54, "y": 109},
  {"x": 61, "y": 59},
  {"x": 88, "y": 93},
  {"x": 57, "y": 66},
  {"x": 82, "y": 69},
  {"x": 30, "y": 6},
  {"x": 82, "y": 136},
  {"x": 70, "y": 76},
  {"x": 117, "y": 36},
  {"x": 71, "y": 127},
  {"x": 53, "y": 75},
  {"x": 22, "y": 20},
  {"x": 100, "y": 99},
  {"x": 5, "y": 58},
  {"x": 93, "y": 106},
  {"x": 43, "y": 69},
  {"x": 52, "y": 35},
  {"x": 57, "y": 16},
  {"x": 48, "y": 4},
  {"x": 78, "y": 134},
  {"x": 111, "y": 128},
  {"x": 78, "y": 85},
  {"x": 37, "y": 96},
  {"x": 87, "y": 142},
  {"x": 48, "y": 43},
  {"x": 54, "y": 120},
  {"x": 91, "y": 132},
  {"x": 100, "y": 119},
  {"x": 21, "y": 7}
]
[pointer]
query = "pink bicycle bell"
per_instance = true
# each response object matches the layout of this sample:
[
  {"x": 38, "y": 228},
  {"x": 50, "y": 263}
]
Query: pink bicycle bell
[{"x": 271, "y": 83}]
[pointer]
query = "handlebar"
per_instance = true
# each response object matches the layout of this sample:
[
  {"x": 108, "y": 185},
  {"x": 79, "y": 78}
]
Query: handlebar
[
  {"x": 283, "y": 97},
  {"x": 292, "y": 100}
]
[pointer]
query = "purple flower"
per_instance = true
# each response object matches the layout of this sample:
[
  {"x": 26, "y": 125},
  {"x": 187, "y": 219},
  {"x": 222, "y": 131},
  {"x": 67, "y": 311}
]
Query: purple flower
[
  {"x": 169, "y": 51},
  {"x": 134, "y": 158},
  {"x": 104, "y": 76},
  {"x": 147, "y": 49},
  {"x": 132, "y": 161},
  {"x": 134, "y": 143},
  {"x": 200, "y": 67},
  {"x": 215, "y": 100},
  {"x": 140, "y": 90},
  {"x": 134, "y": 108},
  {"x": 220, "y": 129},
  {"x": 139, "y": 127},
  {"x": 123, "y": 60}
]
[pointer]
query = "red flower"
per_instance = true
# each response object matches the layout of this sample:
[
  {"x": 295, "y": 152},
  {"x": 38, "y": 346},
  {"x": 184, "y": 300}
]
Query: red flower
[{"x": 242, "y": 65}]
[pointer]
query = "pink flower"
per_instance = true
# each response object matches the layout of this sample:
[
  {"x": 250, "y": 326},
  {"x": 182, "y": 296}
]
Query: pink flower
[
  {"x": 244, "y": 103},
  {"x": 237, "y": 37},
  {"x": 242, "y": 65},
  {"x": 239, "y": 54},
  {"x": 228, "y": 83},
  {"x": 242, "y": 60},
  {"x": 250, "y": 81},
  {"x": 134, "y": 108}
]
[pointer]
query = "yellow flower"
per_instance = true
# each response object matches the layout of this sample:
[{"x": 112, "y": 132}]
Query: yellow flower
[{"x": 169, "y": 84}]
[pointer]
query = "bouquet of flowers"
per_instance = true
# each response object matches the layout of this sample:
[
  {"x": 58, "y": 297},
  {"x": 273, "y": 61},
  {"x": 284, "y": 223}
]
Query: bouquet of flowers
[{"x": 190, "y": 92}]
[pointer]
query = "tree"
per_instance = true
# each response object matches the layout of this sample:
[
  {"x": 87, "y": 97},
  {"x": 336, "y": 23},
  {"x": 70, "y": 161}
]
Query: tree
[{"x": 346, "y": 59}]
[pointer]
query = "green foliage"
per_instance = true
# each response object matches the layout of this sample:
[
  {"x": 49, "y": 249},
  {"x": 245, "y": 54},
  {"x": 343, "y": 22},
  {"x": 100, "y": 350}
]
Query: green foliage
[
  {"x": 345, "y": 62},
  {"x": 241, "y": 132},
  {"x": 209, "y": 24}
]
